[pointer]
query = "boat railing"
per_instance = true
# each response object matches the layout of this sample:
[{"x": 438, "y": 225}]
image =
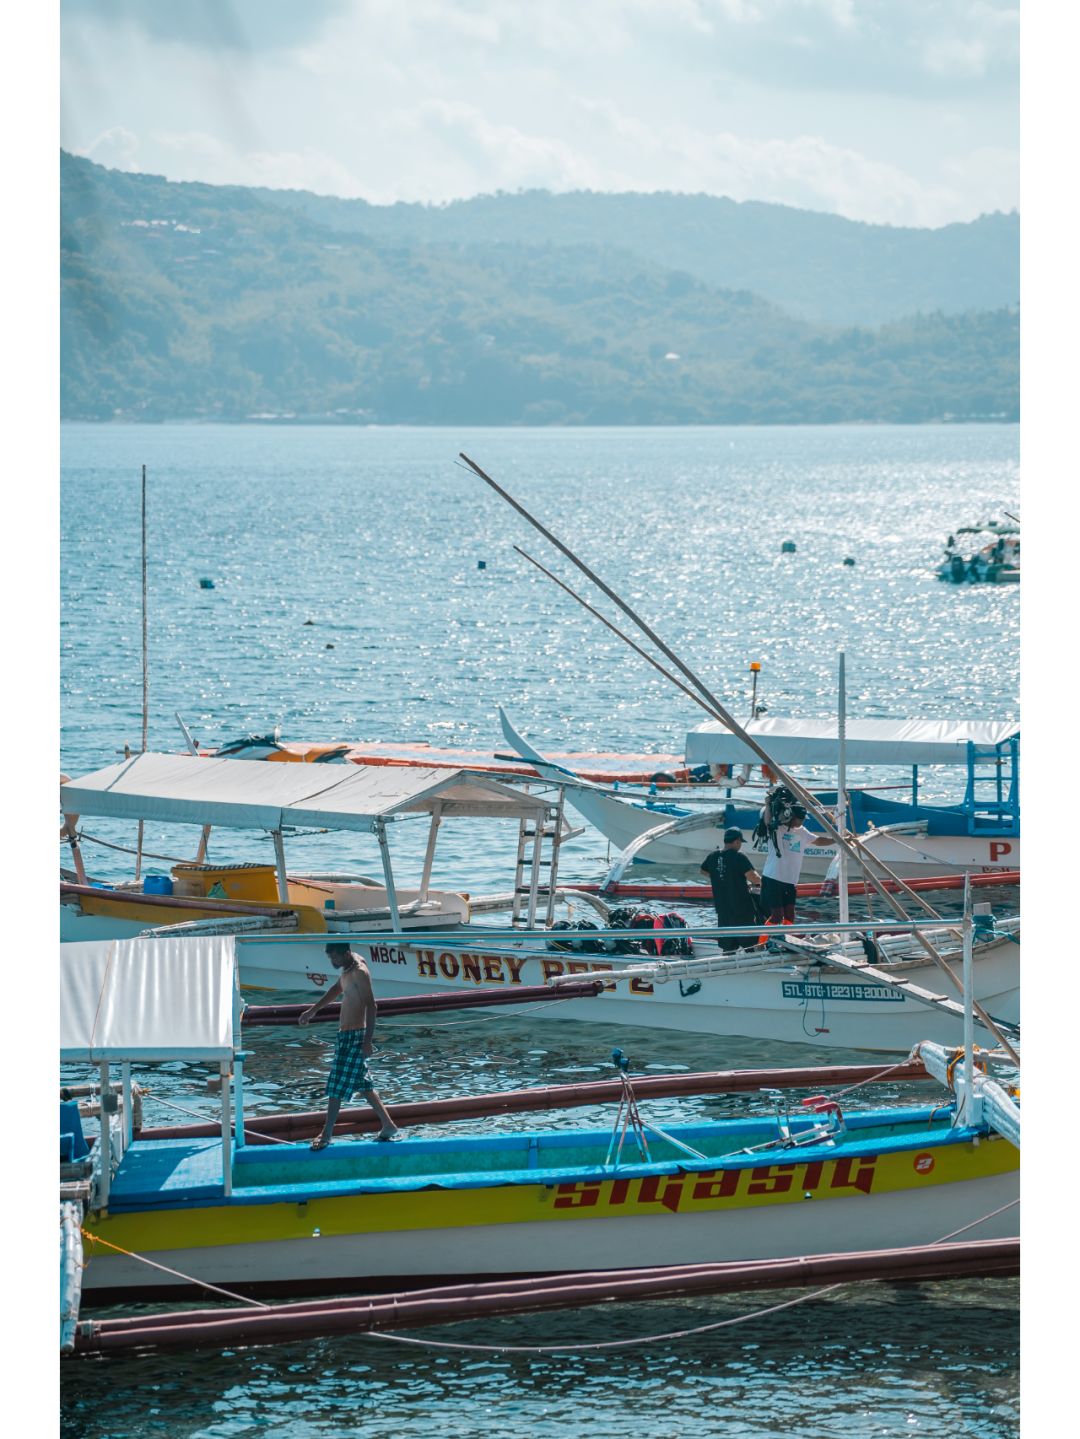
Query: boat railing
[
  {"x": 992, "y": 797},
  {"x": 480, "y": 936}
]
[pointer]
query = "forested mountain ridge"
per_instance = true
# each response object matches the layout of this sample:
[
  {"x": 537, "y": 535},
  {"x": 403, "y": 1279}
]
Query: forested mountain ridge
[
  {"x": 820, "y": 267},
  {"x": 211, "y": 302}
]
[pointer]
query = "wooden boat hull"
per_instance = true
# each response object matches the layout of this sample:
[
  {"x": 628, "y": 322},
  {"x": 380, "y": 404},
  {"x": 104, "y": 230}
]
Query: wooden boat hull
[{"x": 879, "y": 1193}]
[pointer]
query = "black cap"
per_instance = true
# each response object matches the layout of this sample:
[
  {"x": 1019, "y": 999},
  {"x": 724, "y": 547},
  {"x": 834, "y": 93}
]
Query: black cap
[{"x": 730, "y": 834}]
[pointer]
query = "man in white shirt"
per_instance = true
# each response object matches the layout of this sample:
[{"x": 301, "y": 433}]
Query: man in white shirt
[{"x": 783, "y": 862}]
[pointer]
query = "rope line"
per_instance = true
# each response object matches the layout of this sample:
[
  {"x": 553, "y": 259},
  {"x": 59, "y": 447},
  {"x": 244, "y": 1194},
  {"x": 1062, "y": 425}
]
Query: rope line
[
  {"x": 202, "y": 1283},
  {"x": 605, "y": 1343},
  {"x": 671, "y": 1334},
  {"x": 183, "y": 1109}
]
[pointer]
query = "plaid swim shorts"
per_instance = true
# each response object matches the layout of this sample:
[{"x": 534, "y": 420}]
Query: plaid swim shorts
[{"x": 348, "y": 1072}]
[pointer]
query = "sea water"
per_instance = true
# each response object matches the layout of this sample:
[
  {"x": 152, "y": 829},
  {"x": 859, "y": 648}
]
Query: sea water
[{"x": 377, "y": 537}]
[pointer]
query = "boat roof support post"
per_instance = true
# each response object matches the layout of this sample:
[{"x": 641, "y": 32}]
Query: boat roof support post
[
  {"x": 70, "y": 821},
  {"x": 966, "y": 1105},
  {"x": 226, "y": 1127},
  {"x": 279, "y": 860},
  {"x": 553, "y": 871},
  {"x": 238, "y": 1095},
  {"x": 125, "y": 1100},
  {"x": 105, "y": 1139},
  {"x": 388, "y": 875},
  {"x": 429, "y": 853},
  {"x": 200, "y": 853}
]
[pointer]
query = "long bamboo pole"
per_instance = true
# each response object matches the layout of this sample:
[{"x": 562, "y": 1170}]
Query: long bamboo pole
[
  {"x": 853, "y": 847},
  {"x": 615, "y": 630}
]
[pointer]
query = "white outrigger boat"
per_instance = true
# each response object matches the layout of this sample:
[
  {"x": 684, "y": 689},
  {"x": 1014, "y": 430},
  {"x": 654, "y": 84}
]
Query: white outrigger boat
[
  {"x": 979, "y": 834},
  {"x": 417, "y": 941},
  {"x": 266, "y": 900},
  {"x": 284, "y": 1218}
]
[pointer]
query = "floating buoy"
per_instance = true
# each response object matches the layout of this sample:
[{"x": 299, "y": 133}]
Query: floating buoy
[
  {"x": 788, "y": 547},
  {"x": 329, "y": 646},
  {"x": 481, "y": 564},
  {"x": 205, "y": 584},
  {"x": 849, "y": 562}
]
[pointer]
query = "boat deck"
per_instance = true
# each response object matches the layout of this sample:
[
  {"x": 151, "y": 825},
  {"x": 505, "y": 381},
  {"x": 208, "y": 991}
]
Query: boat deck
[{"x": 187, "y": 1172}]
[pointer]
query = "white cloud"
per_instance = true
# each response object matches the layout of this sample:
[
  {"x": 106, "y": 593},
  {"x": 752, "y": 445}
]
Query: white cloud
[
  {"x": 116, "y": 148},
  {"x": 832, "y": 104}
]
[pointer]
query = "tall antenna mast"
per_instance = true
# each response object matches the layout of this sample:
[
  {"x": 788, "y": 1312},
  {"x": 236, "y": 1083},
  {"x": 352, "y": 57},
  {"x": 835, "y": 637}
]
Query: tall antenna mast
[
  {"x": 145, "y": 656},
  {"x": 145, "y": 670}
]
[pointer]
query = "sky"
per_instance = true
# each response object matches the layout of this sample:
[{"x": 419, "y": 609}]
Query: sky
[{"x": 902, "y": 112}]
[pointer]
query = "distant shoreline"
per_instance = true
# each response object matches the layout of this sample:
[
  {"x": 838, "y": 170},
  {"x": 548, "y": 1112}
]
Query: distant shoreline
[{"x": 328, "y": 423}]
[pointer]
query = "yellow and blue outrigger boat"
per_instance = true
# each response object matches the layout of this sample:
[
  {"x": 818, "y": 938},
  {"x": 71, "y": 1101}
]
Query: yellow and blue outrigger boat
[{"x": 281, "y": 1218}]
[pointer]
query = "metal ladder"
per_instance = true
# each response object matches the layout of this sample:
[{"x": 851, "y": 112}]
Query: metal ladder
[
  {"x": 992, "y": 799},
  {"x": 531, "y": 857}
]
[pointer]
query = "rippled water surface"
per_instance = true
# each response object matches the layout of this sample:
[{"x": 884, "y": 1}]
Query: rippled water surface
[{"x": 376, "y": 536}]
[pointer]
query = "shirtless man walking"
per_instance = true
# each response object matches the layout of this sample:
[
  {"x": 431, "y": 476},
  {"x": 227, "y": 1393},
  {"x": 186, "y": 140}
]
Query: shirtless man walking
[{"x": 352, "y": 1045}]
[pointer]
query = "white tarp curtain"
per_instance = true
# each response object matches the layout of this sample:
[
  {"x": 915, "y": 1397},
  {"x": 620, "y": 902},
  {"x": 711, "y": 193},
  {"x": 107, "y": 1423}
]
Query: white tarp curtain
[
  {"x": 869, "y": 741},
  {"x": 148, "y": 999},
  {"x": 252, "y": 794}
]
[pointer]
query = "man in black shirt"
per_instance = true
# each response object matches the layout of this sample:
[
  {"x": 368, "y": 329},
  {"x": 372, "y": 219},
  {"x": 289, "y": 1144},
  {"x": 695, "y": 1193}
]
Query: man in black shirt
[{"x": 730, "y": 873}]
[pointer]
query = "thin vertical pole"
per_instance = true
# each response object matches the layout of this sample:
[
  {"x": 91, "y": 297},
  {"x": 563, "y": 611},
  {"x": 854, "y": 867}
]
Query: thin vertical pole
[
  {"x": 388, "y": 875},
  {"x": 126, "y": 1101},
  {"x": 969, "y": 994},
  {"x": 104, "y": 1139},
  {"x": 279, "y": 866},
  {"x": 226, "y": 1129},
  {"x": 429, "y": 853},
  {"x": 145, "y": 656},
  {"x": 145, "y": 670},
  {"x": 841, "y": 788}
]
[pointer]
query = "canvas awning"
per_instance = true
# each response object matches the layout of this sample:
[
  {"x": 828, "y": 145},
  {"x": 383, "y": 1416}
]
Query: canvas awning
[
  {"x": 244, "y": 794},
  {"x": 149, "y": 999},
  {"x": 869, "y": 741}
]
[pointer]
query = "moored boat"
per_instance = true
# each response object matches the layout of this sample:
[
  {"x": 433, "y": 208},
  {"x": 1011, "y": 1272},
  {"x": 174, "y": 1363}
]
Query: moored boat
[
  {"x": 283, "y": 1218},
  {"x": 417, "y": 941},
  {"x": 980, "y": 832}
]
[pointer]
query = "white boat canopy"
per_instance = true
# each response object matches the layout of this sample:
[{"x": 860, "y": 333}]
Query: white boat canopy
[
  {"x": 149, "y": 999},
  {"x": 237, "y": 794},
  {"x": 869, "y": 741}
]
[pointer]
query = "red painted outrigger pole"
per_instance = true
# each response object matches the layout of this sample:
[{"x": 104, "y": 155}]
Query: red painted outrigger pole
[{"x": 270, "y": 1324}]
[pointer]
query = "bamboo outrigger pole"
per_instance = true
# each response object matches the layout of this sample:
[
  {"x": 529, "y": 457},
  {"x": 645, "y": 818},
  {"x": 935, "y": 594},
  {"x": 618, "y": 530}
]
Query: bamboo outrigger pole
[{"x": 852, "y": 847}]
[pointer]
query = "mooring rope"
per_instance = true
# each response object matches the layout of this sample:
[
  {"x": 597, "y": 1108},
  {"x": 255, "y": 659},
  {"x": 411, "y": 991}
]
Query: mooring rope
[
  {"x": 85, "y": 838},
  {"x": 873, "y": 1078},
  {"x": 671, "y": 1334},
  {"x": 183, "y": 1109},
  {"x": 202, "y": 1283}
]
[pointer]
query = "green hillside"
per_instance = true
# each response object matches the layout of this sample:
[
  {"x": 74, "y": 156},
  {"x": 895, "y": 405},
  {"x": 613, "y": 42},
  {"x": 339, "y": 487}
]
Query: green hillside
[
  {"x": 820, "y": 267},
  {"x": 198, "y": 301}
]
